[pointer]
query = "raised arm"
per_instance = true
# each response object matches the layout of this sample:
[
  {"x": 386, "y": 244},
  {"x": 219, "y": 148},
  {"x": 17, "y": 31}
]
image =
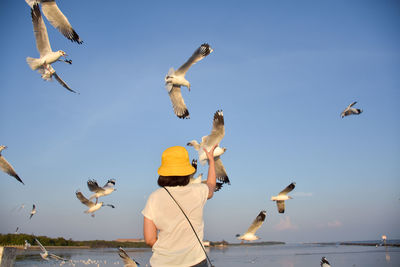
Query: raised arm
[{"x": 211, "y": 178}]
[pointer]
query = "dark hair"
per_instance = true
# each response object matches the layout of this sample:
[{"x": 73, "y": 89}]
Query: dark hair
[{"x": 173, "y": 180}]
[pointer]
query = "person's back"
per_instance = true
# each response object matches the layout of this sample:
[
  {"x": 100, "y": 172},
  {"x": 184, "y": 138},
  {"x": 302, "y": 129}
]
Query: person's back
[{"x": 176, "y": 243}]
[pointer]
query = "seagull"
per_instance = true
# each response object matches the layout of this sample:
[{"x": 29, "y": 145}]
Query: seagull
[
  {"x": 250, "y": 233},
  {"x": 57, "y": 19},
  {"x": 199, "y": 180},
  {"x": 33, "y": 212},
  {"x": 107, "y": 189},
  {"x": 16, "y": 230},
  {"x": 6, "y": 167},
  {"x": 350, "y": 110},
  {"x": 45, "y": 255},
  {"x": 27, "y": 245},
  {"x": 282, "y": 196},
  {"x": 47, "y": 56},
  {"x": 214, "y": 138},
  {"x": 128, "y": 262},
  {"x": 92, "y": 206},
  {"x": 325, "y": 262},
  {"x": 175, "y": 79}
]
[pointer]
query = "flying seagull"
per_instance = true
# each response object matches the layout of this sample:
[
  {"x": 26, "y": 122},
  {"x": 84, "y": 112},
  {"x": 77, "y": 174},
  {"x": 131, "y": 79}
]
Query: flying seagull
[
  {"x": 175, "y": 79},
  {"x": 107, "y": 189},
  {"x": 92, "y": 206},
  {"x": 325, "y": 262},
  {"x": 6, "y": 167},
  {"x": 56, "y": 18},
  {"x": 47, "y": 56},
  {"x": 214, "y": 138},
  {"x": 45, "y": 255},
  {"x": 16, "y": 230},
  {"x": 350, "y": 110},
  {"x": 128, "y": 262},
  {"x": 282, "y": 196},
  {"x": 33, "y": 212},
  {"x": 27, "y": 245},
  {"x": 250, "y": 233}
]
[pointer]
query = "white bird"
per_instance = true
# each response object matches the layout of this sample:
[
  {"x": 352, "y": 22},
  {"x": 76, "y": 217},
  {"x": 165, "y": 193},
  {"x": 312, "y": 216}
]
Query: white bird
[
  {"x": 282, "y": 196},
  {"x": 214, "y": 138},
  {"x": 27, "y": 245},
  {"x": 47, "y": 56},
  {"x": 324, "y": 262},
  {"x": 350, "y": 110},
  {"x": 175, "y": 79},
  {"x": 33, "y": 211},
  {"x": 92, "y": 206},
  {"x": 6, "y": 166},
  {"x": 57, "y": 18},
  {"x": 128, "y": 262},
  {"x": 250, "y": 233},
  {"x": 107, "y": 189},
  {"x": 45, "y": 255}
]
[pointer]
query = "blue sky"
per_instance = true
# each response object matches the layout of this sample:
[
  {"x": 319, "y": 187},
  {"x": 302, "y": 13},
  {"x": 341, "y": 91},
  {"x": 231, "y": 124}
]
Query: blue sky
[{"x": 282, "y": 71}]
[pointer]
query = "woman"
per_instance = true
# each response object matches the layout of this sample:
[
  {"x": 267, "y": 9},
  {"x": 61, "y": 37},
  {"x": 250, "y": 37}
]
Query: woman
[{"x": 176, "y": 244}]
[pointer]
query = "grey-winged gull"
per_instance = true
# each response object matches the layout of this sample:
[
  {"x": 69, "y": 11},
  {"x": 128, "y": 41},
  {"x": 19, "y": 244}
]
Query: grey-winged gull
[
  {"x": 107, "y": 189},
  {"x": 6, "y": 166},
  {"x": 324, "y": 262},
  {"x": 250, "y": 233},
  {"x": 91, "y": 205},
  {"x": 350, "y": 110},
  {"x": 33, "y": 211},
  {"x": 282, "y": 196},
  {"x": 128, "y": 262},
  {"x": 45, "y": 255},
  {"x": 175, "y": 79}
]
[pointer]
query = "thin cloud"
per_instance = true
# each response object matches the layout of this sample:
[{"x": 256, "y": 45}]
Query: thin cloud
[{"x": 285, "y": 224}]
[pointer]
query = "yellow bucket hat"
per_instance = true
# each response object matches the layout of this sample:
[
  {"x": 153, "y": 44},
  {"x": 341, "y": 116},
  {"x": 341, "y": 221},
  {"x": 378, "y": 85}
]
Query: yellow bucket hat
[{"x": 175, "y": 162}]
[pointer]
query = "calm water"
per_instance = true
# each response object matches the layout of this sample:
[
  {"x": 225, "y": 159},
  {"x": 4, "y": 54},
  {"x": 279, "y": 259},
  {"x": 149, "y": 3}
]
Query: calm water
[{"x": 289, "y": 255}]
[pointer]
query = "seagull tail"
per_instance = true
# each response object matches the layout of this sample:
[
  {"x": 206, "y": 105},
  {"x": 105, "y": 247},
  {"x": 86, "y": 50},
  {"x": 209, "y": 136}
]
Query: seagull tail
[{"x": 34, "y": 63}]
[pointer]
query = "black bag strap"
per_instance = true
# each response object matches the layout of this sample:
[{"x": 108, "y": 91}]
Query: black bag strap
[{"x": 194, "y": 231}]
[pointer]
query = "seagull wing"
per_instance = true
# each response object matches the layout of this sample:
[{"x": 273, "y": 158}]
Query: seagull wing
[
  {"x": 40, "y": 30},
  {"x": 94, "y": 187},
  {"x": 41, "y": 246},
  {"x": 64, "y": 84},
  {"x": 59, "y": 21},
  {"x": 217, "y": 131},
  {"x": 352, "y": 104},
  {"x": 220, "y": 171},
  {"x": 200, "y": 53},
  {"x": 281, "y": 206},
  {"x": 84, "y": 200},
  {"x": 54, "y": 256},
  {"x": 128, "y": 262},
  {"x": 110, "y": 183},
  {"x": 257, "y": 222},
  {"x": 287, "y": 189},
  {"x": 218, "y": 186},
  {"x": 7, "y": 168},
  {"x": 178, "y": 104}
]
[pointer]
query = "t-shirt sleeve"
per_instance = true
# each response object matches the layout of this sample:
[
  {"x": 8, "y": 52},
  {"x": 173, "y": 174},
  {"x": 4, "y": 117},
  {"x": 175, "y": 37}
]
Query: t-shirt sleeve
[{"x": 148, "y": 210}]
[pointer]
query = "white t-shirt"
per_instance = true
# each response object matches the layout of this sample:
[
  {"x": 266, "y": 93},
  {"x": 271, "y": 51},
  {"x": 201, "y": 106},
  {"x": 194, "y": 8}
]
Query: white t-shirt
[{"x": 177, "y": 244}]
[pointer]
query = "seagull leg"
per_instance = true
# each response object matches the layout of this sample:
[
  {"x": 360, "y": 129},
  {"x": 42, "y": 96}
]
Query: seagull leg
[{"x": 92, "y": 215}]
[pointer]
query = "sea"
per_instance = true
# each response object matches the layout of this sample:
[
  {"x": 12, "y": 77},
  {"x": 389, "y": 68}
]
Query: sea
[{"x": 287, "y": 255}]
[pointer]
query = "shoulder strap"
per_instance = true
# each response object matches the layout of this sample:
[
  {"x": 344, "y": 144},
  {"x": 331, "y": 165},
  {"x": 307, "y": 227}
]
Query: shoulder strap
[{"x": 194, "y": 231}]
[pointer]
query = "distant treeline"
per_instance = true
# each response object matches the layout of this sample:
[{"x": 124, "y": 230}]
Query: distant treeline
[{"x": 19, "y": 239}]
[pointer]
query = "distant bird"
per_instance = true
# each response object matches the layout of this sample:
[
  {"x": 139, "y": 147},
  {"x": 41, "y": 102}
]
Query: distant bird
[
  {"x": 214, "y": 138},
  {"x": 57, "y": 19},
  {"x": 47, "y": 56},
  {"x": 6, "y": 167},
  {"x": 33, "y": 212},
  {"x": 325, "y": 262},
  {"x": 16, "y": 230},
  {"x": 21, "y": 207},
  {"x": 250, "y": 233},
  {"x": 128, "y": 262},
  {"x": 92, "y": 206},
  {"x": 107, "y": 189},
  {"x": 350, "y": 110},
  {"x": 27, "y": 245},
  {"x": 282, "y": 196},
  {"x": 175, "y": 79},
  {"x": 45, "y": 255}
]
